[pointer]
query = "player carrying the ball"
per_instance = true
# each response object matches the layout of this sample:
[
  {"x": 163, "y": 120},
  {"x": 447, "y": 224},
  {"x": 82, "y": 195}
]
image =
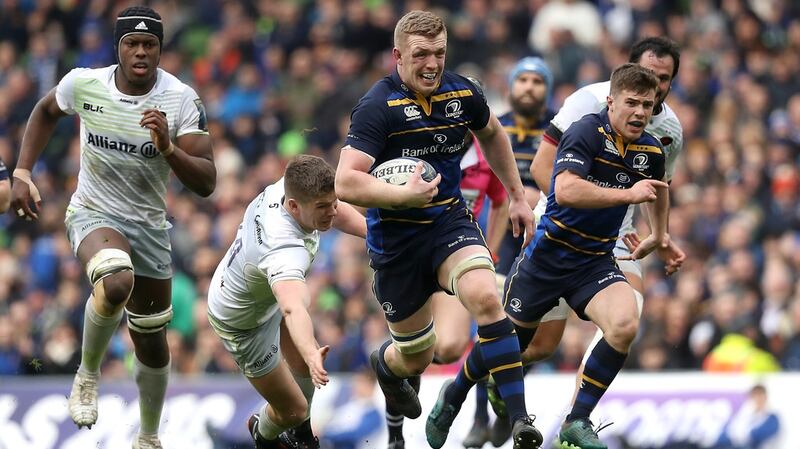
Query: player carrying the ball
[{"x": 421, "y": 236}]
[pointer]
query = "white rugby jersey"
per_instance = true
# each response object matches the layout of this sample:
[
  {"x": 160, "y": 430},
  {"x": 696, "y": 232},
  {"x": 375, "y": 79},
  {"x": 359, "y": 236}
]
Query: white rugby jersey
[
  {"x": 592, "y": 99},
  {"x": 122, "y": 173},
  {"x": 270, "y": 246}
]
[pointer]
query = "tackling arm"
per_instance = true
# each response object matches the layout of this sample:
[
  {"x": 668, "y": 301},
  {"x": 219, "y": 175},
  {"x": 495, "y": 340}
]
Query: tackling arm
[{"x": 350, "y": 221}]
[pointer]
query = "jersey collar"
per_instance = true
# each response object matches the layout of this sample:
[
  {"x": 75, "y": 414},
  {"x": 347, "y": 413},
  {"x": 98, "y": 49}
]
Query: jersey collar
[{"x": 425, "y": 103}]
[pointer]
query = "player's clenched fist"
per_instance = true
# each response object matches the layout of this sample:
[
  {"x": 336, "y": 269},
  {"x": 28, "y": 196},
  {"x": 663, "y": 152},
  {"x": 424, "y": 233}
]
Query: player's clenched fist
[{"x": 156, "y": 122}]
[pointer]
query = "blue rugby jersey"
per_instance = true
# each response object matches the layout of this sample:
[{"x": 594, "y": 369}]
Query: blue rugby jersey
[
  {"x": 567, "y": 237},
  {"x": 391, "y": 121},
  {"x": 525, "y": 142}
]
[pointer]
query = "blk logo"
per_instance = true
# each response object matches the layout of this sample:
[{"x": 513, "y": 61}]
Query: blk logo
[{"x": 93, "y": 108}]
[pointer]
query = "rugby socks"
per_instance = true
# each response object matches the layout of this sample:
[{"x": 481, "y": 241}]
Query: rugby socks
[
  {"x": 497, "y": 353},
  {"x": 307, "y": 387},
  {"x": 97, "y": 333},
  {"x": 601, "y": 368},
  {"x": 395, "y": 419},
  {"x": 152, "y": 384},
  {"x": 394, "y": 424},
  {"x": 382, "y": 370},
  {"x": 266, "y": 428},
  {"x": 481, "y": 403}
]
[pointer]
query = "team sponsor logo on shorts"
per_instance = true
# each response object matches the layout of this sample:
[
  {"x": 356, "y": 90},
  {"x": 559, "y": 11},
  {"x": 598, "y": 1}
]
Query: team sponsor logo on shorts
[
  {"x": 610, "y": 276},
  {"x": 90, "y": 224},
  {"x": 461, "y": 239},
  {"x": 267, "y": 358},
  {"x": 516, "y": 305},
  {"x": 453, "y": 109},
  {"x": 388, "y": 308}
]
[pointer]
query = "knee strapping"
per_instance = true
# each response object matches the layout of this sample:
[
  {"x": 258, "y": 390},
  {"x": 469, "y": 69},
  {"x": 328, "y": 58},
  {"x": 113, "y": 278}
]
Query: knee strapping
[
  {"x": 472, "y": 262},
  {"x": 414, "y": 342},
  {"x": 106, "y": 262},
  {"x": 149, "y": 323}
]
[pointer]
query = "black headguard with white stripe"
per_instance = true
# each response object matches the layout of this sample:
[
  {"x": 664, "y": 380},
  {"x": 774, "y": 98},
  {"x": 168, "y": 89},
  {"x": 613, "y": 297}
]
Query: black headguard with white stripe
[{"x": 138, "y": 19}]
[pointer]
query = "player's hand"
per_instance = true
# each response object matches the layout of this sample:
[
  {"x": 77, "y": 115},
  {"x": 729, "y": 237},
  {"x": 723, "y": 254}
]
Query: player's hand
[
  {"x": 319, "y": 376},
  {"x": 156, "y": 122},
  {"x": 521, "y": 215},
  {"x": 25, "y": 199},
  {"x": 672, "y": 256},
  {"x": 421, "y": 192},
  {"x": 639, "y": 248},
  {"x": 646, "y": 191},
  {"x": 667, "y": 251}
]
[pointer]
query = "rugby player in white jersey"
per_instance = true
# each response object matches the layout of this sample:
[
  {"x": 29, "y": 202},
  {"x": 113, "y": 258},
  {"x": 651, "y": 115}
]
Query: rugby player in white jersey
[
  {"x": 138, "y": 122},
  {"x": 258, "y": 297}
]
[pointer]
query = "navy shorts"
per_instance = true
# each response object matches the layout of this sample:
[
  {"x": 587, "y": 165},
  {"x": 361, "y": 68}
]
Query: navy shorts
[
  {"x": 404, "y": 282},
  {"x": 531, "y": 289},
  {"x": 510, "y": 248}
]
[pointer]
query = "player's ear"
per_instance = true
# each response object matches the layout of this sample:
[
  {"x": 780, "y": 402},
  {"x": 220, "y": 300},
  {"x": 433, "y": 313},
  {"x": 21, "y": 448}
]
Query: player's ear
[
  {"x": 292, "y": 205},
  {"x": 396, "y": 54},
  {"x": 609, "y": 101}
]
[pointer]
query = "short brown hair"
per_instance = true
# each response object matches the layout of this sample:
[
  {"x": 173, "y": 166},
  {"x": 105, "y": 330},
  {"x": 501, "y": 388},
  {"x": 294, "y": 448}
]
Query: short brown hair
[
  {"x": 308, "y": 178},
  {"x": 634, "y": 78},
  {"x": 418, "y": 23}
]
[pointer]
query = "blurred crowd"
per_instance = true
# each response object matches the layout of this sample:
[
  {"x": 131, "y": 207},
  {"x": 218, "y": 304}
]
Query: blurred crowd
[{"x": 279, "y": 77}]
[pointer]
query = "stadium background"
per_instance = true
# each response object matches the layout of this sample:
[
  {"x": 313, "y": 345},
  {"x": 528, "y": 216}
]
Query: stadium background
[{"x": 279, "y": 77}]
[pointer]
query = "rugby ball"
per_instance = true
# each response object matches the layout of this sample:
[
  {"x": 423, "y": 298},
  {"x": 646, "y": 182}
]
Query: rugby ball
[{"x": 398, "y": 171}]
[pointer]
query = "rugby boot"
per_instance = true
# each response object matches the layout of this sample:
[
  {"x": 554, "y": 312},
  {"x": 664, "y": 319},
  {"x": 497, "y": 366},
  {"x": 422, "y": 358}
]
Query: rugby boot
[
  {"x": 400, "y": 396},
  {"x": 440, "y": 419},
  {"x": 579, "y": 434},
  {"x": 500, "y": 431},
  {"x": 284, "y": 440},
  {"x": 477, "y": 436},
  {"x": 525, "y": 435},
  {"x": 83, "y": 399}
]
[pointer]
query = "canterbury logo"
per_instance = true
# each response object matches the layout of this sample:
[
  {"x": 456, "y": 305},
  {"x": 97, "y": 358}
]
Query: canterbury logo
[{"x": 141, "y": 26}]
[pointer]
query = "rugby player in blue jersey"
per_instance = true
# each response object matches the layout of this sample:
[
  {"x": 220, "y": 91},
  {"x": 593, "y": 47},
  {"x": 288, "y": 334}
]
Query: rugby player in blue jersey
[
  {"x": 421, "y": 237},
  {"x": 530, "y": 84},
  {"x": 604, "y": 162}
]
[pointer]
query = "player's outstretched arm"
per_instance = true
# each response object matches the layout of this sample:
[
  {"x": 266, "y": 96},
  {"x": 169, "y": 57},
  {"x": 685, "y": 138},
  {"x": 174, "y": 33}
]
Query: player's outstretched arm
[
  {"x": 572, "y": 190},
  {"x": 293, "y": 297},
  {"x": 350, "y": 221},
  {"x": 356, "y": 186},
  {"x": 192, "y": 159},
  {"x": 37, "y": 133}
]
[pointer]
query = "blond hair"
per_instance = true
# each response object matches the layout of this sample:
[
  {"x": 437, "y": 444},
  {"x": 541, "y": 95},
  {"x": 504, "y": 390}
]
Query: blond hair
[{"x": 418, "y": 23}]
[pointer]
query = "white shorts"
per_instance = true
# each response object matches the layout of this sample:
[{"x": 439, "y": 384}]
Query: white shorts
[
  {"x": 151, "y": 252},
  {"x": 627, "y": 266},
  {"x": 256, "y": 351},
  {"x": 559, "y": 312}
]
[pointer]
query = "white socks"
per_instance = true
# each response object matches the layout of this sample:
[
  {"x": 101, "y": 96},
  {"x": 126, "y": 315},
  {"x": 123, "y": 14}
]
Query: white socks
[{"x": 152, "y": 384}]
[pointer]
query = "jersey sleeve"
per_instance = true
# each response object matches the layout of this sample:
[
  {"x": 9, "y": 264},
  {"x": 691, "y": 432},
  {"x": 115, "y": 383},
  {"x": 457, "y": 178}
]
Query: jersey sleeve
[
  {"x": 676, "y": 147},
  {"x": 480, "y": 107},
  {"x": 285, "y": 263},
  {"x": 369, "y": 127},
  {"x": 192, "y": 118},
  {"x": 580, "y": 103},
  {"x": 577, "y": 149},
  {"x": 65, "y": 90}
]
